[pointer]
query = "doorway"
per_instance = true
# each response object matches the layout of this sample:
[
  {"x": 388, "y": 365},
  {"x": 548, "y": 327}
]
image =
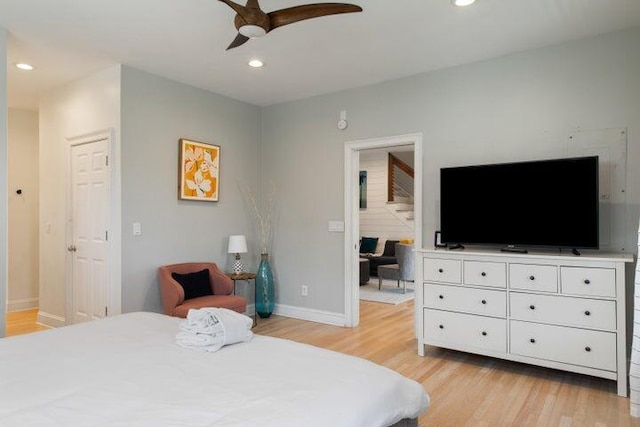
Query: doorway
[{"x": 352, "y": 211}]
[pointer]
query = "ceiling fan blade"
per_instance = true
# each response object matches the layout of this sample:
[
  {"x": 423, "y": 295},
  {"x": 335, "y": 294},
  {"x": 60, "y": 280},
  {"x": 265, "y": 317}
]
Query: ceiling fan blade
[
  {"x": 253, "y": 4},
  {"x": 239, "y": 40},
  {"x": 281, "y": 17},
  {"x": 240, "y": 10}
]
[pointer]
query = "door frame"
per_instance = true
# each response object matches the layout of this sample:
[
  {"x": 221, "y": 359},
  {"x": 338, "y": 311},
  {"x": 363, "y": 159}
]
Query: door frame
[
  {"x": 352, "y": 213},
  {"x": 113, "y": 227}
]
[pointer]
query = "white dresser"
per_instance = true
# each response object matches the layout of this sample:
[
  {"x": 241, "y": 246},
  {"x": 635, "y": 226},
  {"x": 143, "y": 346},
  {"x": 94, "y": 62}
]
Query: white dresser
[{"x": 556, "y": 310}]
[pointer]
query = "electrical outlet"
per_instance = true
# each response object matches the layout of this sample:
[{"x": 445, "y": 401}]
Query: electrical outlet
[{"x": 304, "y": 290}]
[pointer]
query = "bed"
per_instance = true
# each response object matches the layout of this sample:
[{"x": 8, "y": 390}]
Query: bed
[{"x": 127, "y": 370}]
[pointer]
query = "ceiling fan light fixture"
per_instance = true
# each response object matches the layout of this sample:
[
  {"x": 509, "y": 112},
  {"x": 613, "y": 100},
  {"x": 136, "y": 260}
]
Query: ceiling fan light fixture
[
  {"x": 462, "y": 3},
  {"x": 252, "y": 31},
  {"x": 256, "y": 63}
]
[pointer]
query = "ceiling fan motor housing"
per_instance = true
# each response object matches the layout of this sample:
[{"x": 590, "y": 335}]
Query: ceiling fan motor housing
[{"x": 253, "y": 17}]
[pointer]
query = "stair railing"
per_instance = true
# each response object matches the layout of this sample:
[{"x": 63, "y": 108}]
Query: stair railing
[{"x": 400, "y": 179}]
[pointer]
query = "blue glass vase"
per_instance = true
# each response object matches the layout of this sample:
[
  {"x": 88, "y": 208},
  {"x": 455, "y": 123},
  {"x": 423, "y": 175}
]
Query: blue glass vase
[{"x": 265, "y": 288}]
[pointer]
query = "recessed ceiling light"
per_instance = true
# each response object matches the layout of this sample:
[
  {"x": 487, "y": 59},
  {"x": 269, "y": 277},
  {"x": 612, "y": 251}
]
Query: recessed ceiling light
[
  {"x": 24, "y": 66},
  {"x": 256, "y": 63},
  {"x": 462, "y": 3}
]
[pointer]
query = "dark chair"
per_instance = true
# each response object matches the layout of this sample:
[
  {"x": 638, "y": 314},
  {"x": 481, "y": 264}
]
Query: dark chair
[
  {"x": 364, "y": 271},
  {"x": 388, "y": 257}
]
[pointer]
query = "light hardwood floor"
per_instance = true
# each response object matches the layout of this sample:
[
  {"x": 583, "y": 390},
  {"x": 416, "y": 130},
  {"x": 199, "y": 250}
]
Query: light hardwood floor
[
  {"x": 23, "y": 322},
  {"x": 465, "y": 389}
]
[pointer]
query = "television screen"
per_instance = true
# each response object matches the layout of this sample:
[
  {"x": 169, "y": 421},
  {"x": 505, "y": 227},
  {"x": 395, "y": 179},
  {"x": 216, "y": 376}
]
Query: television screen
[{"x": 545, "y": 203}]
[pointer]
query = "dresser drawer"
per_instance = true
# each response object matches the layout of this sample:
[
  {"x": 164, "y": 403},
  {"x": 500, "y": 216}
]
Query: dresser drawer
[
  {"x": 580, "y": 347},
  {"x": 465, "y": 331},
  {"x": 493, "y": 274},
  {"x": 443, "y": 270},
  {"x": 468, "y": 300},
  {"x": 532, "y": 277},
  {"x": 588, "y": 281},
  {"x": 582, "y": 312}
]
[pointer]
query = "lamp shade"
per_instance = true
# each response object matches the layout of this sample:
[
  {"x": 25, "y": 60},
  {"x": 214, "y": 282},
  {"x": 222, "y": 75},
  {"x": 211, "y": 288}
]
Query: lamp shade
[{"x": 237, "y": 244}]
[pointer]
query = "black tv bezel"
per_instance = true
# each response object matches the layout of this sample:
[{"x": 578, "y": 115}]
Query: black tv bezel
[{"x": 521, "y": 246}]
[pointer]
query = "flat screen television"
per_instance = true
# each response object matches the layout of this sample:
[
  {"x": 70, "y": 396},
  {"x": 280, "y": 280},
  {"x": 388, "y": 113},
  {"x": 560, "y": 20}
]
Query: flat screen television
[{"x": 543, "y": 203}]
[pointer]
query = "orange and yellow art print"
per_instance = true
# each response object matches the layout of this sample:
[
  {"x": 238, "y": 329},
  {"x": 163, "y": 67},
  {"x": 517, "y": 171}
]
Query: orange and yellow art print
[{"x": 199, "y": 171}]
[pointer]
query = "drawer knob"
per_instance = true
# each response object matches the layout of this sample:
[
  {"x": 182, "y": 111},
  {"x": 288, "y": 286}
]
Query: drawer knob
[
  {"x": 484, "y": 301},
  {"x": 483, "y": 274},
  {"x": 441, "y": 326},
  {"x": 440, "y": 270},
  {"x": 441, "y": 296},
  {"x": 587, "y": 281},
  {"x": 587, "y": 313},
  {"x": 532, "y": 307},
  {"x": 587, "y": 349},
  {"x": 532, "y": 277},
  {"x": 484, "y": 334},
  {"x": 532, "y": 341}
]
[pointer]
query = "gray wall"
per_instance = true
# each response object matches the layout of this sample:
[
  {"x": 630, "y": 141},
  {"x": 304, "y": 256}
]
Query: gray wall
[
  {"x": 3, "y": 180},
  {"x": 517, "y": 107},
  {"x": 156, "y": 113}
]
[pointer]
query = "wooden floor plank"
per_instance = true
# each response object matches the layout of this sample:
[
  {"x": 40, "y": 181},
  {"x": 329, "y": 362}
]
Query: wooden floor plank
[{"x": 23, "y": 322}]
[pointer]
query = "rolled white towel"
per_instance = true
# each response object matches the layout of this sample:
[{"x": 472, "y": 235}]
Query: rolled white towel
[
  {"x": 202, "y": 342},
  {"x": 237, "y": 326},
  {"x": 208, "y": 329},
  {"x": 201, "y": 321}
]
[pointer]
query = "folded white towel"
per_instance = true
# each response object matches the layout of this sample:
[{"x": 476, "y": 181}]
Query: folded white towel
[
  {"x": 201, "y": 321},
  {"x": 208, "y": 329},
  {"x": 237, "y": 326},
  {"x": 202, "y": 342}
]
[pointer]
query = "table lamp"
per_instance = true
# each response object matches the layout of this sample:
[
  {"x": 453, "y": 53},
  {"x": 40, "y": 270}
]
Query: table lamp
[{"x": 237, "y": 245}]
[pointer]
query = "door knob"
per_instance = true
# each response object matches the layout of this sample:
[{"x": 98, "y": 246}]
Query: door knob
[{"x": 71, "y": 248}]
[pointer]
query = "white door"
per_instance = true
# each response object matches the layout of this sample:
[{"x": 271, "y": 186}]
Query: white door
[{"x": 89, "y": 197}]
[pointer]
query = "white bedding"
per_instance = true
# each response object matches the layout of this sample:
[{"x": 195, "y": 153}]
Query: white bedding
[{"x": 128, "y": 371}]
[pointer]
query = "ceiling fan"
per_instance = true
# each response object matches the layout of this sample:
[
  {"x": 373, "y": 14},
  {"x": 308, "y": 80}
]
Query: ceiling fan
[{"x": 252, "y": 22}]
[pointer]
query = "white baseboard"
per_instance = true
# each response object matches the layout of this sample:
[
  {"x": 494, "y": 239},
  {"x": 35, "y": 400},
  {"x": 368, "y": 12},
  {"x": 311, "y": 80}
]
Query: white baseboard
[
  {"x": 22, "y": 304},
  {"x": 312, "y": 315},
  {"x": 336, "y": 319},
  {"x": 50, "y": 320}
]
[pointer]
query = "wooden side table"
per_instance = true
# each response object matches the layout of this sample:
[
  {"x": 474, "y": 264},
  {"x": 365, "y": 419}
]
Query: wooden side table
[{"x": 245, "y": 277}]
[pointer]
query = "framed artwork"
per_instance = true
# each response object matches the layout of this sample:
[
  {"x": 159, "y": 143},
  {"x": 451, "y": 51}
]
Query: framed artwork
[
  {"x": 363, "y": 189},
  {"x": 199, "y": 175}
]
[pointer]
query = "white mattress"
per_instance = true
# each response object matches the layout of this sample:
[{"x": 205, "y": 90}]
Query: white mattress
[{"x": 128, "y": 371}]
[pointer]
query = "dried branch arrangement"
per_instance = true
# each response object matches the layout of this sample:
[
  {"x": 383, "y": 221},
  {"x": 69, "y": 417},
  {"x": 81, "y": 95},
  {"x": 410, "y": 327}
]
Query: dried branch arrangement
[{"x": 262, "y": 210}]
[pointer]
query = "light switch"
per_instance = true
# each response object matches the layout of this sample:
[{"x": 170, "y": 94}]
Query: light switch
[
  {"x": 137, "y": 229},
  {"x": 336, "y": 226}
]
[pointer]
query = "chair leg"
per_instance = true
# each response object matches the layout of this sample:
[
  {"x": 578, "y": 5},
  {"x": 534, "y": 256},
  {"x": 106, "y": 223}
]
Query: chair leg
[
  {"x": 379, "y": 282},
  {"x": 398, "y": 285},
  {"x": 404, "y": 286}
]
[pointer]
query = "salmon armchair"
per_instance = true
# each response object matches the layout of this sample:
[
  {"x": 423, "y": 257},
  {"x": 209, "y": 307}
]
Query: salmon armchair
[{"x": 173, "y": 295}]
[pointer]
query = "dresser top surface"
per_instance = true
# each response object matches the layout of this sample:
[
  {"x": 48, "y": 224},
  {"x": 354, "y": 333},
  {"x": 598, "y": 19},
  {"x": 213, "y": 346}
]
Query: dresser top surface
[{"x": 531, "y": 254}]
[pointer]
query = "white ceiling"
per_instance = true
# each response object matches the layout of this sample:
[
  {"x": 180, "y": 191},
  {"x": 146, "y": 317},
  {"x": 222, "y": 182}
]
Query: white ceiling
[{"x": 185, "y": 40}]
